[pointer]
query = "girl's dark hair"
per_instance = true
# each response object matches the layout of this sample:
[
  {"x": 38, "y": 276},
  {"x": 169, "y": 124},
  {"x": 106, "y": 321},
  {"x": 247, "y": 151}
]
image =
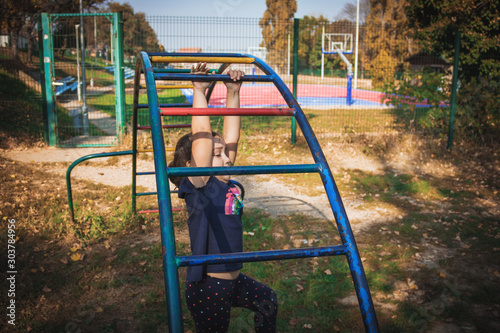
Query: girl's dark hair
[{"x": 182, "y": 154}]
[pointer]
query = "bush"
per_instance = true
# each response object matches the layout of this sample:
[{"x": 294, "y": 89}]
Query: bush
[
  {"x": 418, "y": 98},
  {"x": 478, "y": 114}
]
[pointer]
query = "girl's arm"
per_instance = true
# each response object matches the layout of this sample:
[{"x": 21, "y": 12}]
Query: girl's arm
[
  {"x": 202, "y": 149},
  {"x": 231, "y": 131}
]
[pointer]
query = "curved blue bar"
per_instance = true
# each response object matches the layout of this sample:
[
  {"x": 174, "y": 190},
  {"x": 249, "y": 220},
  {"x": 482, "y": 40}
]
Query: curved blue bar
[
  {"x": 164, "y": 204},
  {"x": 354, "y": 259},
  {"x": 171, "y": 262}
]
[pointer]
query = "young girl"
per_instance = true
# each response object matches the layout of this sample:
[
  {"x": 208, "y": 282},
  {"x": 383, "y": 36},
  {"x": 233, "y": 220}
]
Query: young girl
[{"x": 214, "y": 222}]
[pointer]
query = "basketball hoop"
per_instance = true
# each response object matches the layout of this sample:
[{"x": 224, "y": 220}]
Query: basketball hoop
[{"x": 334, "y": 42}]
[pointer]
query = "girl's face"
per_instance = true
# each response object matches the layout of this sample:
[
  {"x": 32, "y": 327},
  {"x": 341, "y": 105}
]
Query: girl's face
[{"x": 220, "y": 158}]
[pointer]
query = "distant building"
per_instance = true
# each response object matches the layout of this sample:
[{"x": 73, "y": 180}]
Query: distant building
[
  {"x": 423, "y": 60},
  {"x": 189, "y": 50},
  {"x": 22, "y": 41}
]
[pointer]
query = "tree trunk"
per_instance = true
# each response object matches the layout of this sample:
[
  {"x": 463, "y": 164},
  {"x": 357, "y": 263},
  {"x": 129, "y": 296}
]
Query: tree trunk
[
  {"x": 14, "y": 51},
  {"x": 31, "y": 38}
]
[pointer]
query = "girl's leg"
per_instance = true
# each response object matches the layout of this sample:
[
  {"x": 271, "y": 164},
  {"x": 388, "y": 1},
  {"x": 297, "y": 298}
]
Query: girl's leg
[
  {"x": 210, "y": 303},
  {"x": 260, "y": 299}
]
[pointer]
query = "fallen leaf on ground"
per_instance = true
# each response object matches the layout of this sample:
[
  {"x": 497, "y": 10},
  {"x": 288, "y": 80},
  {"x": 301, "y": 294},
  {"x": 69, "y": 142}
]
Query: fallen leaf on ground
[
  {"x": 46, "y": 289},
  {"x": 75, "y": 256},
  {"x": 299, "y": 288},
  {"x": 328, "y": 272}
]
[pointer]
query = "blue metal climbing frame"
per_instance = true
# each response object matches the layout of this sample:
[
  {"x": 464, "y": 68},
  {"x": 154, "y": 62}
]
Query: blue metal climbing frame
[{"x": 171, "y": 262}]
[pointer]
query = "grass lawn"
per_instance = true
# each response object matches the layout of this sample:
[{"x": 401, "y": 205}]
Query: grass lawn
[
  {"x": 431, "y": 259},
  {"x": 433, "y": 262}
]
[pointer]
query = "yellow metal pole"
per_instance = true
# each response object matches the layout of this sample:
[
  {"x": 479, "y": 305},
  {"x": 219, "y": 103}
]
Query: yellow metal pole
[{"x": 230, "y": 60}]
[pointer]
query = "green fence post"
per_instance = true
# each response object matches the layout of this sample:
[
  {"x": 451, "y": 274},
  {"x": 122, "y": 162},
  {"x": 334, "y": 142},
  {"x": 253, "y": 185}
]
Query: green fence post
[
  {"x": 454, "y": 90},
  {"x": 119, "y": 74},
  {"x": 49, "y": 102},
  {"x": 295, "y": 72}
]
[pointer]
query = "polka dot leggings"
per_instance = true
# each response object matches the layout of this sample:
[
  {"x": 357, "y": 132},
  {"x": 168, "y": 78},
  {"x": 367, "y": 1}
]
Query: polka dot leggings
[{"x": 210, "y": 301}]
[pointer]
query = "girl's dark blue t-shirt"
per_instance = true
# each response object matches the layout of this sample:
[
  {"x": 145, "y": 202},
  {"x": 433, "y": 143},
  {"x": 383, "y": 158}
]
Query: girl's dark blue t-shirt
[{"x": 214, "y": 223}]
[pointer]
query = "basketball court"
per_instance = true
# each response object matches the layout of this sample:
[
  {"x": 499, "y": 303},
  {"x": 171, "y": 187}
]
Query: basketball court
[{"x": 309, "y": 96}]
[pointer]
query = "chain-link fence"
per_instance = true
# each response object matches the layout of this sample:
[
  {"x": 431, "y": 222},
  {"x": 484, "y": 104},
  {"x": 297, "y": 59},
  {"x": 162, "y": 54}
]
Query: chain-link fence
[
  {"x": 349, "y": 79},
  {"x": 354, "y": 80},
  {"x": 84, "y": 80}
]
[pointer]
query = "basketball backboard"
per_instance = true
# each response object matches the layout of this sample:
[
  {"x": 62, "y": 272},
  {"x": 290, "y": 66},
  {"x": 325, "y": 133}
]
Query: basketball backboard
[{"x": 334, "y": 42}]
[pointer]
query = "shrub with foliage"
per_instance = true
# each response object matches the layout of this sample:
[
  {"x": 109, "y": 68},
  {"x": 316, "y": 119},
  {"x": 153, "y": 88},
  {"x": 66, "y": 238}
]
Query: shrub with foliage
[
  {"x": 478, "y": 114},
  {"x": 419, "y": 88}
]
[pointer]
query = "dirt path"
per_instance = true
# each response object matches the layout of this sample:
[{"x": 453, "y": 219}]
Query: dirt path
[{"x": 267, "y": 193}]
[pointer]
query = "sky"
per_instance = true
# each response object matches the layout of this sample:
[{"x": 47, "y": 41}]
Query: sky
[
  {"x": 208, "y": 24},
  {"x": 232, "y": 8}
]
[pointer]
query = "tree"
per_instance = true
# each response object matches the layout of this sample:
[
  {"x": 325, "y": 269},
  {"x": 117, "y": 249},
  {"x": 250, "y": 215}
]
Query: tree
[
  {"x": 276, "y": 24},
  {"x": 349, "y": 12},
  {"x": 14, "y": 16},
  {"x": 138, "y": 35},
  {"x": 310, "y": 34},
  {"x": 21, "y": 15},
  {"x": 435, "y": 23},
  {"x": 387, "y": 31}
]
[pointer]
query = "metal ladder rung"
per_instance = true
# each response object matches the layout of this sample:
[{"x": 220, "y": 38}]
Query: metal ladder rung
[
  {"x": 210, "y": 78},
  {"x": 172, "y": 105},
  {"x": 141, "y": 194},
  {"x": 227, "y": 112},
  {"x": 261, "y": 255},
  {"x": 149, "y": 211},
  {"x": 238, "y": 170},
  {"x": 178, "y": 70},
  {"x": 193, "y": 59},
  {"x": 165, "y": 126},
  {"x": 151, "y": 150},
  {"x": 170, "y": 86}
]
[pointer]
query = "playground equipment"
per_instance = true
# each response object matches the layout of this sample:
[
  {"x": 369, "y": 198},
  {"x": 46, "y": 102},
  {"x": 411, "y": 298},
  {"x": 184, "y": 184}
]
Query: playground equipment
[
  {"x": 171, "y": 262},
  {"x": 338, "y": 44}
]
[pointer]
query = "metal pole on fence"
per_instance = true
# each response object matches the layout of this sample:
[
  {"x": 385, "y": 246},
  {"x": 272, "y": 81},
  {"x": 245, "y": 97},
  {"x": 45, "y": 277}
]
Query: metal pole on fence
[
  {"x": 119, "y": 74},
  {"x": 295, "y": 72},
  {"x": 454, "y": 85},
  {"x": 95, "y": 41},
  {"x": 111, "y": 44},
  {"x": 356, "y": 57},
  {"x": 288, "y": 72},
  {"x": 49, "y": 102},
  {"x": 322, "y": 53},
  {"x": 85, "y": 113},
  {"x": 79, "y": 88}
]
